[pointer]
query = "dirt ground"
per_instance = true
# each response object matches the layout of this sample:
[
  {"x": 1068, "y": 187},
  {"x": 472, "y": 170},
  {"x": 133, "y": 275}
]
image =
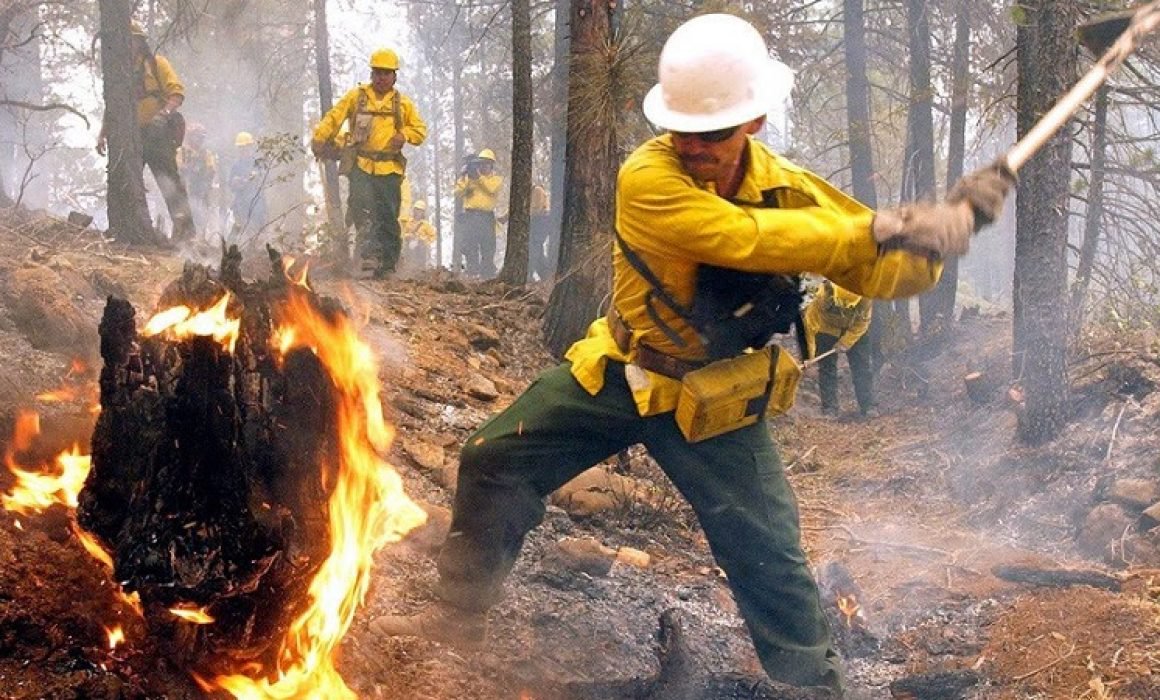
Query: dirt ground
[{"x": 918, "y": 506}]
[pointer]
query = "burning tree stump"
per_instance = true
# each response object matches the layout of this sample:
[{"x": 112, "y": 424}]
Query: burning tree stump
[{"x": 206, "y": 486}]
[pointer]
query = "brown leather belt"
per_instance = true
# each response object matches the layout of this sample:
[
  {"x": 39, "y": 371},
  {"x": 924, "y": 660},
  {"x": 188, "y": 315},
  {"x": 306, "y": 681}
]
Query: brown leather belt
[{"x": 646, "y": 357}]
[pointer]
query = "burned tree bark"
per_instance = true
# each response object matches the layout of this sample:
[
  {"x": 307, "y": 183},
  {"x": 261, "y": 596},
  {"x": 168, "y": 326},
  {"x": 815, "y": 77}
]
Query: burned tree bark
[{"x": 205, "y": 484}]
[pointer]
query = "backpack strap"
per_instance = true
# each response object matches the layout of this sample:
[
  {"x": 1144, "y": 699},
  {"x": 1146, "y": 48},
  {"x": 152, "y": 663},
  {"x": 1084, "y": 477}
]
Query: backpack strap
[{"x": 656, "y": 289}]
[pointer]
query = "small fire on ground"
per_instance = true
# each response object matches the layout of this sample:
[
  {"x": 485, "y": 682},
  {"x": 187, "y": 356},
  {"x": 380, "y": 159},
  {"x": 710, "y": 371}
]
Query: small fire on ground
[{"x": 851, "y": 610}]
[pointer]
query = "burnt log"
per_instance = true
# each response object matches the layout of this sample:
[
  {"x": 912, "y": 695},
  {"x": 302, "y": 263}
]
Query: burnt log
[
  {"x": 206, "y": 486},
  {"x": 677, "y": 678},
  {"x": 1056, "y": 578},
  {"x": 981, "y": 386}
]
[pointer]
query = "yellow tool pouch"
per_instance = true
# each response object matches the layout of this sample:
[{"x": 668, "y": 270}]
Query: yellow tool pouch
[{"x": 733, "y": 393}]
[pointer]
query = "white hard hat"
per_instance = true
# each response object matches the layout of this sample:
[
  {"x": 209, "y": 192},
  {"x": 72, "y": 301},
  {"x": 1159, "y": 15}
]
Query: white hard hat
[{"x": 715, "y": 72}]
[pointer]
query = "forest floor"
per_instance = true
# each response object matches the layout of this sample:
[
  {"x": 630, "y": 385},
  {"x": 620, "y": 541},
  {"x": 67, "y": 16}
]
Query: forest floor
[{"x": 914, "y": 512}]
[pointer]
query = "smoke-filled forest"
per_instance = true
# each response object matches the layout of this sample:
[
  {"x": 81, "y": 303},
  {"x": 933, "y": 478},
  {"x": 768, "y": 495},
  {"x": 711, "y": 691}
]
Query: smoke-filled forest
[{"x": 576, "y": 350}]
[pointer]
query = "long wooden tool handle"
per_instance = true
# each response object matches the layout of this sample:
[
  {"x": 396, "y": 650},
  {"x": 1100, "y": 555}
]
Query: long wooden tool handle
[{"x": 1143, "y": 22}]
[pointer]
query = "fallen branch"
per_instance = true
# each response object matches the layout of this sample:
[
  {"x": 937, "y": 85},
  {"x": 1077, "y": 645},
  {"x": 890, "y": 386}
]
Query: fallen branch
[{"x": 1057, "y": 578}]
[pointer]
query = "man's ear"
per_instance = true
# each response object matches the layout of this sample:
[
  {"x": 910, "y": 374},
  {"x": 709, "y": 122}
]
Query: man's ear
[{"x": 755, "y": 126}]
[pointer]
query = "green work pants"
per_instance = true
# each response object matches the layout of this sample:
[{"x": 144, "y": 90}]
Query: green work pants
[
  {"x": 374, "y": 207},
  {"x": 735, "y": 483},
  {"x": 858, "y": 356}
]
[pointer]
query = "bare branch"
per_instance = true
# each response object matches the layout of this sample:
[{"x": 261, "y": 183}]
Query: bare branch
[{"x": 20, "y": 104}]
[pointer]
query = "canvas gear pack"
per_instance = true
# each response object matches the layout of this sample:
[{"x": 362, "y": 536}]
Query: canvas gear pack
[
  {"x": 349, "y": 152},
  {"x": 731, "y": 394}
]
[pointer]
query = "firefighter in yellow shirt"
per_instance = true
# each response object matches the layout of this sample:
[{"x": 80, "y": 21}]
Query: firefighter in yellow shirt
[
  {"x": 838, "y": 319},
  {"x": 478, "y": 188},
  {"x": 381, "y": 121},
  {"x": 198, "y": 166},
  {"x": 542, "y": 246},
  {"x": 162, "y": 129},
  {"x": 704, "y": 202},
  {"x": 418, "y": 237}
]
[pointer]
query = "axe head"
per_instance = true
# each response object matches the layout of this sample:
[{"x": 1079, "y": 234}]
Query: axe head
[{"x": 1099, "y": 33}]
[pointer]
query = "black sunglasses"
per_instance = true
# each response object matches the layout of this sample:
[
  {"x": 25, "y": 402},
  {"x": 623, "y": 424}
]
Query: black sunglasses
[{"x": 715, "y": 136}]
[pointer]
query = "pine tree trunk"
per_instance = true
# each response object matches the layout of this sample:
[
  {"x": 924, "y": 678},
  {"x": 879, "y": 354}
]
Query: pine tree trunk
[
  {"x": 589, "y": 192},
  {"x": 1047, "y": 58},
  {"x": 920, "y": 130},
  {"x": 559, "y": 121},
  {"x": 861, "y": 145},
  {"x": 330, "y": 182},
  {"x": 1095, "y": 210},
  {"x": 128, "y": 210},
  {"x": 941, "y": 299},
  {"x": 515, "y": 259}
]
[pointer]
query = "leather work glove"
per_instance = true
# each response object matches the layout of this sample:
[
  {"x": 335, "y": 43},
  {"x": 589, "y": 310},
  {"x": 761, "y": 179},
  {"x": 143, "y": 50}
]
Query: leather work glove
[
  {"x": 319, "y": 149},
  {"x": 985, "y": 190},
  {"x": 934, "y": 230}
]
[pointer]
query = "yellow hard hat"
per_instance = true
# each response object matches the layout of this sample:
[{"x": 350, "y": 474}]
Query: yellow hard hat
[
  {"x": 714, "y": 72},
  {"x": 136, "y": 29},
  {"x": 419, "y": 204},
  {"x": 385, "y": 59},
  {"x": 486, "y": 154},
  {"x": 244, "y": 138}
]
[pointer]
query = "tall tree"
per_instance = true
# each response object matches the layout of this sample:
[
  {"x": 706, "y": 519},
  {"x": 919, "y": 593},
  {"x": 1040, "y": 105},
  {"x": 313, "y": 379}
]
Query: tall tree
[
  {"x": 561, "y": 50},
  {"x": 940, "y": 301},
  {"x": 330, "y": 183},
  {"x": 861, "y": 145},
  {"x": 1046, "y": 56},
  {"x": 1093, "y": 217},
  {"x": 589, "y": 188},
  {"x": 128, "y": 211},
  {"x": 919, "y": 163},
  {"x": 515, "y": 259}
]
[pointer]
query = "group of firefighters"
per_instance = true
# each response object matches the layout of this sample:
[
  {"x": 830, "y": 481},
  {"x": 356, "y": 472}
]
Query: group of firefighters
[
  {"x": 185, "y": 169},
  {"x": 703, "y": 213}
]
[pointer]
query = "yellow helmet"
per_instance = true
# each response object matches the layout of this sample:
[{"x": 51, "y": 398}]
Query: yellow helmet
[
  {"x": 419, "y": 204},
  {"x": 385, "y": 59},
  {"x": 244, "y": 138},
  {"x": 136, "y": 29},
  {"x": 486, "y": 154}
]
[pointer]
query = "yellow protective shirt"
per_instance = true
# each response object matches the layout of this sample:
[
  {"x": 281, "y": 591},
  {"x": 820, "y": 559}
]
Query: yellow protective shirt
[
  {"x": 479, "y": 192},
  {"x": 838, "y": 312},
  {"x": 382, "y": 125},
  {"x": 160, "y": 83},
  {"x": 419, "y": 229},
  {"x": 676, "y": 224}
]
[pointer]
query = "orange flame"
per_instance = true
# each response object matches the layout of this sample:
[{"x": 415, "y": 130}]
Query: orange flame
[
  {"x": 116, "y": 636},
  {"x": 848, "y": 605},
  {"x": 181, "y": 322},
  {"x": 197, "y": 616},
  {"x": 367, "y": 509},
  {"x": 37, "y": 489},
  {"x": 301, "y": 280}
]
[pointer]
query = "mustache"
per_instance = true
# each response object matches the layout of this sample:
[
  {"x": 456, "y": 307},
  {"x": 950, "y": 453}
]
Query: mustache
[{"x": 702, "y": 158}]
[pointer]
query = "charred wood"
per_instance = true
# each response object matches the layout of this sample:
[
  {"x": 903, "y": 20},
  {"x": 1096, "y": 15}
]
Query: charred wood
[{"x": 1058, "y": 578}]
